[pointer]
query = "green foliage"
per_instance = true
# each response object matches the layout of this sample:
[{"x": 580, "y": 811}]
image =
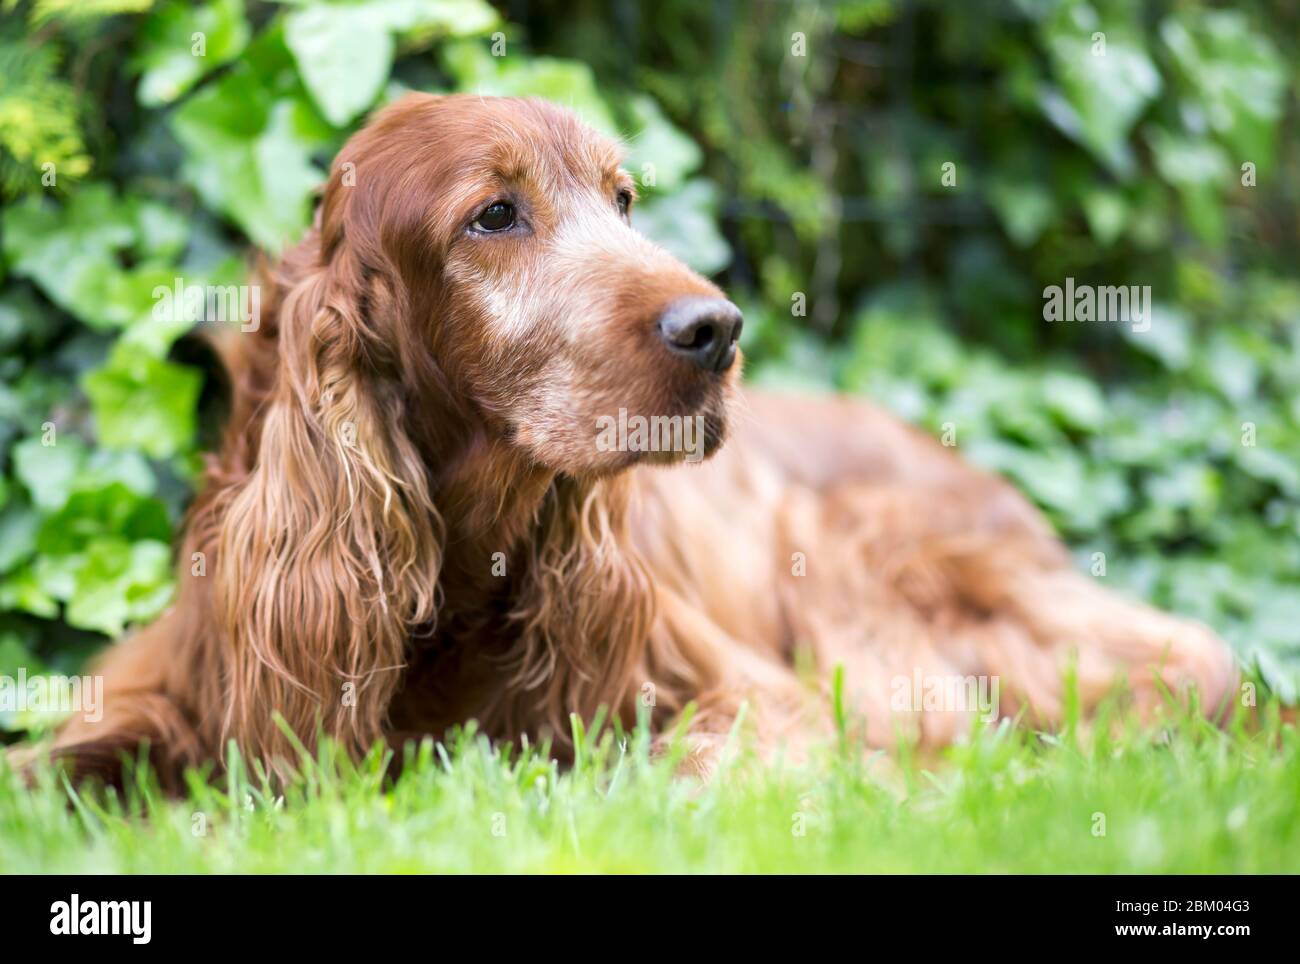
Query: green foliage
[
  {"x": 920, "y": 177},
  {"x": 168, "y": 41},
  {"x": 143, "y": 403},
  {"x": 249, "y": 138},
  {"x": 38, "y": 118},
  {"x": 74, "y": 252},
  {"x": 345, "y": 51}
]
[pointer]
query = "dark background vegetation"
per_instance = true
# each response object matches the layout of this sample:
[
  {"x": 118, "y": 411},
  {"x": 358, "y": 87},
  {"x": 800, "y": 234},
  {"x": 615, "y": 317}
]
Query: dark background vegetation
[{"x": 817, "y": 175}]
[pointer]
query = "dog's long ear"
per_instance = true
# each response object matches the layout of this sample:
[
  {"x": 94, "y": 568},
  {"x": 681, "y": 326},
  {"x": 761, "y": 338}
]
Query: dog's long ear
[{"x": 328, "y": 556}]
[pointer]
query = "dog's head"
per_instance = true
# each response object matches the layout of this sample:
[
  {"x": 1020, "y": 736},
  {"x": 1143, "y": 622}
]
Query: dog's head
[{"x": 502, "y": 230}]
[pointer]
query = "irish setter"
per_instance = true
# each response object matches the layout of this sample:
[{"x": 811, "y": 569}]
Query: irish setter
[{"x": 437, "y": 499}]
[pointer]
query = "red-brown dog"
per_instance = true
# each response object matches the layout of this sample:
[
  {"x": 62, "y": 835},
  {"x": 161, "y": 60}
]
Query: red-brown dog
[{"x": 433, "y": 502}]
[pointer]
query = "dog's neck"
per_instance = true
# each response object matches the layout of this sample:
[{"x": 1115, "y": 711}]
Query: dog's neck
[
  {"x": 489, "y": 498},
  {"x": 540, "y": 585},
  {"x": 497, "y": 505}
]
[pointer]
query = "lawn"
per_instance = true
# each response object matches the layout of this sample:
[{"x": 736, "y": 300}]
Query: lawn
[{"x": 1183, "y": 797}]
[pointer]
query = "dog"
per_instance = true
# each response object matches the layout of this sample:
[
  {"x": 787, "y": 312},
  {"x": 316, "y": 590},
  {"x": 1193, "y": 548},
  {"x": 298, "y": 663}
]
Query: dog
[{"x": 436, "y": 501}]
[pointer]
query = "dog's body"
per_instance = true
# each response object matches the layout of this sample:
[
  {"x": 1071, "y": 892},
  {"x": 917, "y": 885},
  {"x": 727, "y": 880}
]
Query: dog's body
[{"x": 410, "y": 524}]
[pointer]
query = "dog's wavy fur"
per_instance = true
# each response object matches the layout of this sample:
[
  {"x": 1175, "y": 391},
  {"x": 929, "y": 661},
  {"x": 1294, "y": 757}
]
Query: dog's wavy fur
[{"x": 408, "y": 524}]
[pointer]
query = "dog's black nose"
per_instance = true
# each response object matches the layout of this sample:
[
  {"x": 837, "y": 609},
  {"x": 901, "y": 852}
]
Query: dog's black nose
[{"x": 703, "y": 331}]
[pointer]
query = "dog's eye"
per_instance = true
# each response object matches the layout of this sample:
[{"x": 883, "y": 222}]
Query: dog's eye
[
  {"x": 497, "y": 216},
  {"x": 624, "y": 202}
]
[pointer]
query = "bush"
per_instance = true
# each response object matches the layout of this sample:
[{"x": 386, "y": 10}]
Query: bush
[{"x": 888, "y": 188}]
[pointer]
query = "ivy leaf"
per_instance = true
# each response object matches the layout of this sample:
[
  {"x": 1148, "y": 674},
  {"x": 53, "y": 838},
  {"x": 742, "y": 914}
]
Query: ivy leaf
[
  {"x": 49, "y": 472},
  {"x": 249, "y": 138},
  {"x": 659, "y": 148},
  {"x": 16, "y": 653},
  {"x": 1053, "y": 481},
  {"x": 112, "y": 510},
  {"x": 1102, "y": 91},
  {"x": 1196, "y": 489},
  {"x": 1074, "y": 401},
  {"x": 105, "y": 467},
  {"x": 88, "y": 557},
  {"x": 144, "y": 403},
  {"x": 1269, "y": 465},
  {"x": 344, "y": 51},
  {"x": 161, "y": 232},
  {"x": 1107, "y": 214},
  {"x": 344, "y": 55},
  {"x": 683, "y": 223},
  {"x": 74, "y": 252},
  {"x": 418, "y": 20},
  {"x": 1025, "y": 209},
  {"x": 1169, "y": 337},
  {"x": 171, "y": 317},
  {"x": 18, "y": 526},
  {"x": 566, "y": 82},
  {"x": 120, "y": 582},
  {"x": 167, "y": 43},
  {"x": 54, "y": 475},
  {"x": 22, "y": 592},
  {"x": 71, "y": 250},
  {"x": 1198, "y": 169},
  {"x": 1237, "y": 75},
  {"x": 256, "y": 167}
]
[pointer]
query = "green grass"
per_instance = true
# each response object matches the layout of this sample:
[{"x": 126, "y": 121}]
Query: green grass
[{"x": 1182, "y": 798}]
